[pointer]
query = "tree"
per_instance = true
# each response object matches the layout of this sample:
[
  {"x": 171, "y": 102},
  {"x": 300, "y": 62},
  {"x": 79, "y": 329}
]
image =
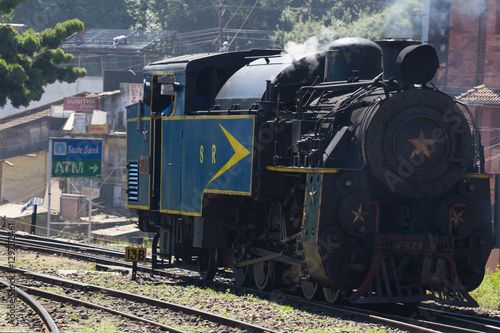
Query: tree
[
  {"x": 357, "y": 20},
  {"x": 29, "y": 61},
  {"x": 237, "y": 17},
  {"x": 95, "y": 14},
  {"x": 7, "y": 6},
  {"x": 179, "y": 15}
]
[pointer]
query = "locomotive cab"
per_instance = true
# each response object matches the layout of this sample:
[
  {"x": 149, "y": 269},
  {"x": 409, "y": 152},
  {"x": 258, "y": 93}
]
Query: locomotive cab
[{"x": 157, "y": 131}]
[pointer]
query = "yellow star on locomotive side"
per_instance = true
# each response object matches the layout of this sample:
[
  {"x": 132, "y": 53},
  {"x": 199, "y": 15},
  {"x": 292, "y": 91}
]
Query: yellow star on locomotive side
[
  {"x": 456, "y": 218},
  {"x": 359, "y": 215},
  {"x": 421, "y": 145}
]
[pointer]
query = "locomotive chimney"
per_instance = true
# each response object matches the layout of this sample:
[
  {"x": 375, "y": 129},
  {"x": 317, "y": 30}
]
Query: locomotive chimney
[{"x": 391, "y": 47}]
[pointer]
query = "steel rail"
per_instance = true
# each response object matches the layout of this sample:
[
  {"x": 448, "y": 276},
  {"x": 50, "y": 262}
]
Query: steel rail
[
  {"x": 484, "y": 324},
  {"x": 35, "y": 305},
  {"x": 420, "y": 324},
  {"x": 117, "y": 260},
  {"x": 63, "y": 298},
  {"x": 143, "y": 299},
  {"x": 76, "y": 247},
  {"x": 390, "y": 320},
  {"x": 61, "y": 243}
]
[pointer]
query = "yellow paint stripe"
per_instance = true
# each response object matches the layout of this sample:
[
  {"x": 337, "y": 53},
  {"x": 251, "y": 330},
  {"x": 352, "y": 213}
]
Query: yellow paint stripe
[
  {"x": 482, "y": 175},
  {"x": 135, "y": 119},
  {"x": 138, "y": 207},
  {"x": 301, "y": 170}
]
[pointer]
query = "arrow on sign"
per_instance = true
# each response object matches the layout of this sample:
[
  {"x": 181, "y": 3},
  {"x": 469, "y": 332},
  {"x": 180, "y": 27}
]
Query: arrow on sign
[{"x": 94, "y": 168}]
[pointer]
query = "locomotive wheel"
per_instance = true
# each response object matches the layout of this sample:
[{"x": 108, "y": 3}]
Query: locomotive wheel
[
  {"x": 241, "y": 275},
  {"x": 263, "y": 274},
  {"x": 332, "y": 296},
  {"x": 309, "y": 289},
  {"x": 207, "y": 264}
]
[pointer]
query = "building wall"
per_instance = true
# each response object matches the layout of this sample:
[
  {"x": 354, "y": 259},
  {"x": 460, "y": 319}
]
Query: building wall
[
  {"x": 463, "y": 43},
  {"x": 114, "y": 106},
  {"x": 113, "y": 171},
  {"x": 59, "y": 90},
  {"x": 488, "y": 117},
  {"x": 26, "y": 178},
  {"x": 25, "y": 138},
  {"x": 474, "y": 44},
  {"x": 492, "y": 61}
]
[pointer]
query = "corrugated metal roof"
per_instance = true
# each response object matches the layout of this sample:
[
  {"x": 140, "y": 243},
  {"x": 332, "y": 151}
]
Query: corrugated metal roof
[
  {"x": 23, "y": 119},
  {"x": 103, "y": 39},
  {"x": 480, "y": 95}
]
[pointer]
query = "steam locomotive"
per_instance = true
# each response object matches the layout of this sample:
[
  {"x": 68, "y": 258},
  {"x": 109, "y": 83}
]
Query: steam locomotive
[{"x": 324, "y": 173}]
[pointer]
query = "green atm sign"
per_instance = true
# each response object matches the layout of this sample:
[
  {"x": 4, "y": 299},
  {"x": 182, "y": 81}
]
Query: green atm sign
[{"x": 76, "y": 158}]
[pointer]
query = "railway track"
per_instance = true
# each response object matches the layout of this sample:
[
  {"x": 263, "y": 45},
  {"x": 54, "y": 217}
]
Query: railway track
[
  {"x": 475, "y": 323},
  {"x": 135, "y": 299},
  {"x": 46, "y": 318},
  {"x": 410, "y": 319},
  {"x": 27, "y": 239},
  {"x": 432, "y": 320}
]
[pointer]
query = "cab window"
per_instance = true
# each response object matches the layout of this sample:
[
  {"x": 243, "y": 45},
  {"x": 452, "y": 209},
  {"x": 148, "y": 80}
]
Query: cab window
[{"x": 163, "y": 99}]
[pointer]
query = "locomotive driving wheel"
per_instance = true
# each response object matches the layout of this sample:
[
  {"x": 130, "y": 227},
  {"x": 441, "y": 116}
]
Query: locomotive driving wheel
[
  {"x": 207, "y": 264},
  {"x": 263, "y": 274},
  {"x": 309, "y": 289},
  {"x": 240, "y": 254},
  {"x": 332, "y": 295}
]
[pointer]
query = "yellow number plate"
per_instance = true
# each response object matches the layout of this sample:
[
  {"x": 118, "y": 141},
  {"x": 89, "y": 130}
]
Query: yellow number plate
[{"x": 135, "y": 254}]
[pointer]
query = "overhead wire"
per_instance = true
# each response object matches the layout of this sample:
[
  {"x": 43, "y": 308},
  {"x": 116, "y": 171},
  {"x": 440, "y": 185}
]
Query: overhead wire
[
  {"x": 246, "y": 18},
  {"x": 237, "y": 9}
]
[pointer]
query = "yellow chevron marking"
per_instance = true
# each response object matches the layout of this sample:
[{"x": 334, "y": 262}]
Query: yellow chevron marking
[{"x": 239, "y": 153}]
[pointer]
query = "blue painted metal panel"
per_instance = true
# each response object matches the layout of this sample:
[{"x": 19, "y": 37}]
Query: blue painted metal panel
[
  {"x": 216, "y": 157},
  {"x": 138, "y": 144},
  {"x": 171, "y": 166}
]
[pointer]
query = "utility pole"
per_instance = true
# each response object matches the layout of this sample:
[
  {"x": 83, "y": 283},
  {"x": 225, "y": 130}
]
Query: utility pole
[
  {"x": 49, "y": 174},
  {"x": 220, "y": 13}
]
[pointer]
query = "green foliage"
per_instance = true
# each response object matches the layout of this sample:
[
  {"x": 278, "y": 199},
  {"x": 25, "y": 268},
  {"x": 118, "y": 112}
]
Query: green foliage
[
  {"x": 350, "y": 18},
  {"x": 95, "y": 14},
  {"x": 29, "y": 61},
  {"x": 488, "y": 293},
  {"x": 7, "y": 6},
  {"x": 292, "y": 20}
]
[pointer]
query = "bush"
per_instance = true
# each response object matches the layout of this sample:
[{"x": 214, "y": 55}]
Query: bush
[{"x": 488, "y": 293}]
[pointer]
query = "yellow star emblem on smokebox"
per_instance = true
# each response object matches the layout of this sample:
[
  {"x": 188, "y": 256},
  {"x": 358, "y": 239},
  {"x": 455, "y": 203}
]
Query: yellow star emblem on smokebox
[
  {"x": 359, "y": 215},
  {"x": 421, "y": 145},
  {"x": 456, "y": 218}
]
